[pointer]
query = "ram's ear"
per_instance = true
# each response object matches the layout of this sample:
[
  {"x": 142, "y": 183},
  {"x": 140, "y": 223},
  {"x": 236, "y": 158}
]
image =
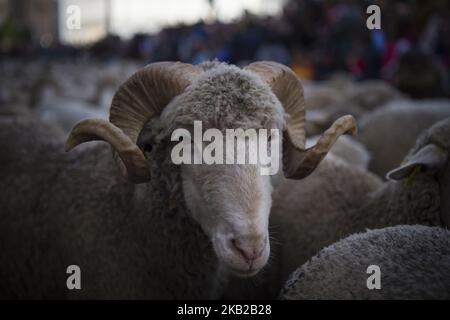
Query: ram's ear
[{"x": 430, "y": 158}]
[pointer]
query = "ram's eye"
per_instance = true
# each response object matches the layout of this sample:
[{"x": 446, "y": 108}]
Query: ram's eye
[
  {"x": 147, "y": 147},
  {"x": 269, "y": 138}
]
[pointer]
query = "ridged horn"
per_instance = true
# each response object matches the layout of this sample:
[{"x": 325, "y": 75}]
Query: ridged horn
[
  {"x": 143, "y": 96},
  {"x": 289, "y": 90},
  {"x": 298, "y": 162},
  {"x": 133, "y": 163}
]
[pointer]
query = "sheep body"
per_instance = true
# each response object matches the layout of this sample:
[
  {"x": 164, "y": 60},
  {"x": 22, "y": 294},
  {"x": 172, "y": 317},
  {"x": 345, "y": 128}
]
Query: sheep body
[
  {"x": 338, "y": 200},
  {"x": 390, "y": 131},
  {"x": 413, "y": 262}
]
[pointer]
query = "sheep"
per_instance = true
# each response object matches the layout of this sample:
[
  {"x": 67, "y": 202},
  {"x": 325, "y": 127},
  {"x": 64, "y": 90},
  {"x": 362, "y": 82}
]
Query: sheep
[
  {"x": 432, "y": 81},
  {"x": 166, "y": 231},
  {"x": 338, "y": 200},
  {"x": 18, "y": 87},
  {"x": 54, "y": 109},
  {"x": 65, "y": 112},
  {"x": 337, "y": 97},
  {"x": 371, "y": 94},
  {"x": 412, "y": 262},
  {"x": 287, "y": 224},
  {"x": 390, "y": 131},
  {"x": 65, "y": 101}
]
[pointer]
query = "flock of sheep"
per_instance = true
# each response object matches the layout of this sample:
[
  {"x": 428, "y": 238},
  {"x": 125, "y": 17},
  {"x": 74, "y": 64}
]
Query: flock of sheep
[{"x": 139, "y": 226}]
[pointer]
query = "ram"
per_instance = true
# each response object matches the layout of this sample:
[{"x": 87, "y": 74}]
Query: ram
[
  {"x": 175, "y": 231},
  {"x": 401, "y": 262}
]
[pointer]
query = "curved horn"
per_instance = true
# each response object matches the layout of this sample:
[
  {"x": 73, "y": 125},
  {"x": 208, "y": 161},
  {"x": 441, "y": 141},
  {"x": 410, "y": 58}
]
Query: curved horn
[
  {"x": 147, "y": 92},
  {"x": 133, "y": 164},
  {"x": 143, "y": 96},
  {"x": 289, "y": 90},
  {"x": 298, "y": 162}
]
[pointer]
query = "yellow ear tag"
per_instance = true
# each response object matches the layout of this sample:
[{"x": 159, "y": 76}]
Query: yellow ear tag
[{"x": 412, "y": 177}]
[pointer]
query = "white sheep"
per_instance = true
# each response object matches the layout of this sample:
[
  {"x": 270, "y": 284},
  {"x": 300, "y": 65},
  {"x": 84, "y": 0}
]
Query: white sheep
[
  {"x": 401, "y": 262},
  {"x": 175, "y": 231},
  {"x": 61, "y": 93}
]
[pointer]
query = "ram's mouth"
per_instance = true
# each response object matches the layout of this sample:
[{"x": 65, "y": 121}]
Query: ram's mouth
[{"x": 243, "y": 273}]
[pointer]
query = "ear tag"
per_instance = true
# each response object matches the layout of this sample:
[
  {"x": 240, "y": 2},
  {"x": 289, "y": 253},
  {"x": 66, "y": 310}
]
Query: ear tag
[{"x": 412, "y": 177}]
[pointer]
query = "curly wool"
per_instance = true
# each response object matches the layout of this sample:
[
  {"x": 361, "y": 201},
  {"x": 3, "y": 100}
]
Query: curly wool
[
  {"x": 413, "y": 261},
  {"x": 213, "y": 96}
]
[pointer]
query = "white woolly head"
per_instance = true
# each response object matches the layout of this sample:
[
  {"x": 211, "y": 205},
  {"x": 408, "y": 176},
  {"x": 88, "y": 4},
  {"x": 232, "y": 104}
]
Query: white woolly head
[{"x": 231, "y": 202}]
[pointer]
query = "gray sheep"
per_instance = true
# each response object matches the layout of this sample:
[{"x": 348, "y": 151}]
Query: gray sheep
[
  {"x": 390, "y": 131},
  {"x": 349, "y": 150},
  {"x": 401, "y": 262},
  {"x": 175, "y": 231},
  {"x": 339, "y": 96},
  {"x": 338, "y": 200}
]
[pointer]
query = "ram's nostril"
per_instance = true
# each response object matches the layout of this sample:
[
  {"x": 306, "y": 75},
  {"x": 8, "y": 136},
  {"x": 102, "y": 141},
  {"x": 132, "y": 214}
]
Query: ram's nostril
[
  {"x": 238, "y": 248},
  {"x": 248, "y": 251}
]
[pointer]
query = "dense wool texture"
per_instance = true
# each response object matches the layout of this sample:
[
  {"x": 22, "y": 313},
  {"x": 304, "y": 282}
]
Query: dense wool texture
[
  {"x": 131, "y": 241},
  {"x": 338, "y": 200},
  {"x": 414, "y": 262},
  {"x": 225, "y": 97},
  {"x": 391, "y": 131},
  {"x": 304, "y": 211},
  {"x": 62, "y": 209}
]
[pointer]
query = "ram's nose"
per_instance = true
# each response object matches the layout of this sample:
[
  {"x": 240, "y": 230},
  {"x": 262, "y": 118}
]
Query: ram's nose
[{"x": 250, "y": 248}]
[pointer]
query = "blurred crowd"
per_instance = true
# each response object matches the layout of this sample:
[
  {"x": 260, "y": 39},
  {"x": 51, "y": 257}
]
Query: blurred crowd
[{"x": 316, "y": 38}]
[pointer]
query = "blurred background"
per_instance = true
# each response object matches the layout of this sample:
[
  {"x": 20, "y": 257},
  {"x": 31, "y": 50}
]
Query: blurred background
[
  {"x": 315, "y": 37},
  {"x": 63, "y": 59}
]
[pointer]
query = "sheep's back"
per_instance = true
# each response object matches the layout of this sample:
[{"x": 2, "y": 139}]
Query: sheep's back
[{"x": 413, "y": 262}]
